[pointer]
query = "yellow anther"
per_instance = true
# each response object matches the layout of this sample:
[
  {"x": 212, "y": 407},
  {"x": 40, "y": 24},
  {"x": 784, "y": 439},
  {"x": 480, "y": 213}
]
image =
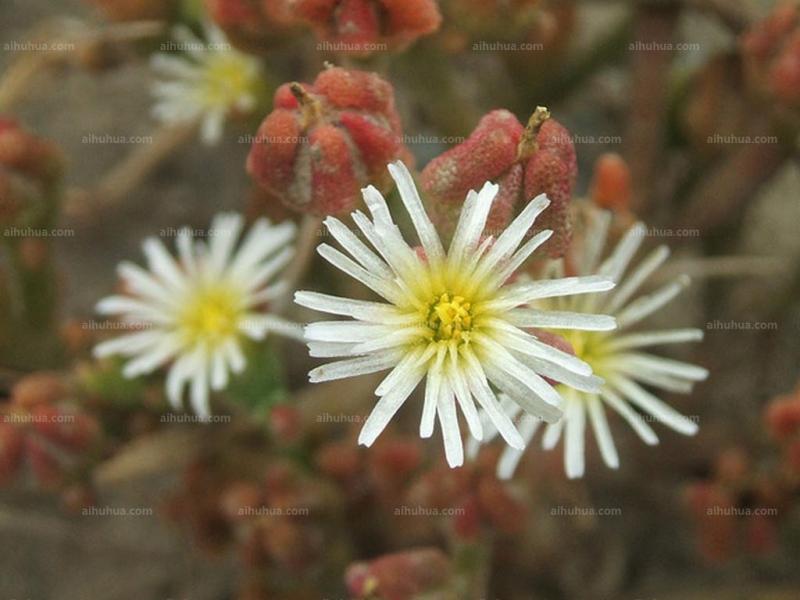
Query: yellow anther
[{"x": 450, "y": 319}]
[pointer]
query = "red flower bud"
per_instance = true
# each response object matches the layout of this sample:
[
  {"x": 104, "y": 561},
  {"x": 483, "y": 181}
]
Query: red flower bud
[
  {"x": 253, "y": 25},
  {"x": 38, "y": 388},
  {"x": 399, "y": 576},
  {"x": 323, "y": 143},
  {"x": 523, "y": 161},
  {"x": 611, "y": 186},
  {"x": 771, "y": 51},
  {"x": 360, "y": 27},
  {"x": 783, "y": 416}
]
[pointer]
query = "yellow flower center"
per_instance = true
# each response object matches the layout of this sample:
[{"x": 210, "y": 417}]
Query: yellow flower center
[
  {"x": 589, "y": 346},
  {"x": 228, "y": 78},
  {"x": 450, "y": 319},
  {"x": 212, "y": 317}
]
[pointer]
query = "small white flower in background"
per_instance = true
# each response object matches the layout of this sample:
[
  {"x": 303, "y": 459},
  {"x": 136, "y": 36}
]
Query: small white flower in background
[
  {"x": 616, "y": 356},
  {"x": 209, "y": 82},
  {"x": 449, "y": 316},
  {"x": 194, "y": 312}
]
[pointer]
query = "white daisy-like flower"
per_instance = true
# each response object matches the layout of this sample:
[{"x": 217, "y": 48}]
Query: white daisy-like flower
[
  {"x": 618, "y": 356},
  {"x": 211, "y": 81},
  {"x": 195, "y": 312},
  {"x": 449, "y": 316}
]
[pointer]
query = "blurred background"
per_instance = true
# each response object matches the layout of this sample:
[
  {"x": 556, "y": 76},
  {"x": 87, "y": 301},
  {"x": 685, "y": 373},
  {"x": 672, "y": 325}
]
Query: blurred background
[{"x": 698, "y": 101}]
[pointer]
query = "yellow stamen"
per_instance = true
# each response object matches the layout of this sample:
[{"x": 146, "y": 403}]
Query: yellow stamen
[
  {"x": 212, "y": 317},
  {"x": 450, "y": 319}
]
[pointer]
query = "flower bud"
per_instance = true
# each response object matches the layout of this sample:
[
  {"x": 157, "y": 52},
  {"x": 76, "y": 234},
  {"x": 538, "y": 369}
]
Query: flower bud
[
  {"x": 324, "y": 142},
  {"x": 253, "y": 26},
  {"x": 523, "y": 161},
  {"x": 771, "y": 50},
  {"x": 360, "y": 27},
  {"x": 611, "y": 184},
  {"x": 400, "y": 576},
  {"x": 37, "y": 389}
]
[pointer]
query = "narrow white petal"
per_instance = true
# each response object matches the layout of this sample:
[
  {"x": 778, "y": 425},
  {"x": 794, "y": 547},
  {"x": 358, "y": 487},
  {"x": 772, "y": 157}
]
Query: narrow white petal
[
  {"x": 634, "y": 419},
  {"x": 654, "y": 406},
  {"x": 654, "y": 338},
  {"x": 471, "y": 223},
  {"x": 356, "y": 366},
  {"x": 128, "y": 345},
  {"x": 357, "y": 249},
  {"x": 602, "y": 432},
  {"x": 647, "y": 305},
  {"x": 553, "y": 319},
  {"x": 200, "y": 393},
  {"x": 453, "y": 447},
  {"x": 574, "y": 438},
  {"x": 387, "y": 406},
  {"x": 522, "y": 293},
  {"x": 479, "y": 387},
  {"x": 552, "y": 434},
  {"x": 619, "y": 260},
  {"x": 163, "y": 265},
  {"x": 358, "y": 309},
  {"x": 225, "y": 231},
  {"x": 637, "y": 362},
  {"x": 408, "y": 192},
  {"x": 383, "y": 287},
  {"x": 629, "y": 286}
]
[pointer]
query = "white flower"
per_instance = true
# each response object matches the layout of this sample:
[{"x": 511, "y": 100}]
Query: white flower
[
  {"x": 194, "y": 312},
  {"x": 616, "y": 356},
  {"x": 449, "y": 317},
  {"x": 210, "y": 82}
]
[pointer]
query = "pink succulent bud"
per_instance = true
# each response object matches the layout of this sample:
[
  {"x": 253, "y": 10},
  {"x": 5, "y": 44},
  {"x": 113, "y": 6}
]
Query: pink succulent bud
[
  {"x": 360, "y": 27},
  {"x": 400, "y": 576},
  {"x": 771, "y": 52},
  {"x": 324, "y": 142},
  {"x": 41, "y": 442},
  {"x": 253, "y": 26},
  {"x": 611, "y": 185},
  {"x": 523, "y": 161}
]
